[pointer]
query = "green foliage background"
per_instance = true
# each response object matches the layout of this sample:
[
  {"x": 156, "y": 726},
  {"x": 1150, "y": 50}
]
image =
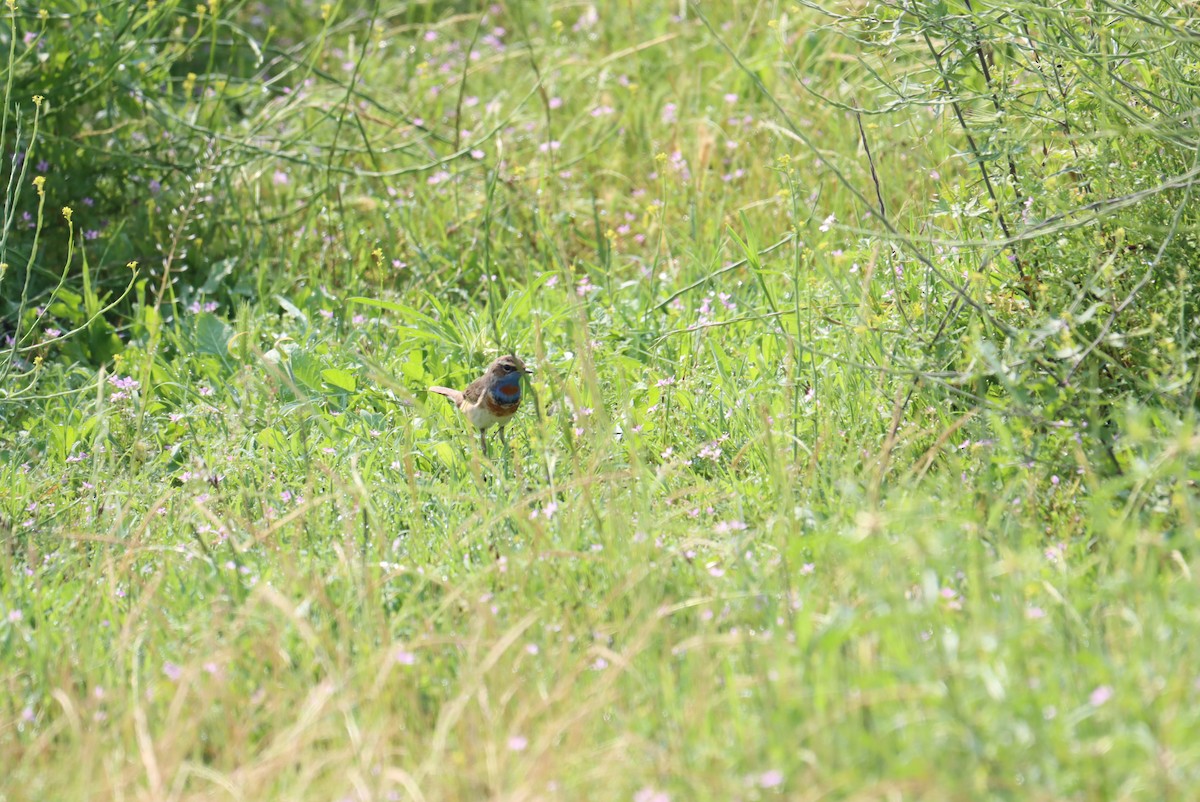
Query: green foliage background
[{"x": 860, "y": 459}]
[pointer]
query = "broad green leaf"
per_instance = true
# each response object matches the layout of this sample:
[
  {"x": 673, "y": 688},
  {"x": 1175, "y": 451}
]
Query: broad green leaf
[
  {"x": 292, "y": 309},
  {"x": 217, "y": 275},
  {"x": 273, "y": 439},
  {"x": 306, "y": 369},
  {"x": 212, "y": 335},
  {"x": 447, "y": 453},
  {"x": 342, "y": 379},
  {"x": 151, "y": 319}
]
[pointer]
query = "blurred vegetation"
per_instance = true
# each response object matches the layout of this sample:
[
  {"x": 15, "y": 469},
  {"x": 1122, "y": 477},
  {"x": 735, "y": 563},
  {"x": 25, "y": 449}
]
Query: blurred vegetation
[{"x": 863, "y": 427}]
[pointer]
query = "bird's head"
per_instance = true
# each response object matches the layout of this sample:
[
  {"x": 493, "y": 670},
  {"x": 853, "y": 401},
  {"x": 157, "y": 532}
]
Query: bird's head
[{"x": 508, "y": 365}]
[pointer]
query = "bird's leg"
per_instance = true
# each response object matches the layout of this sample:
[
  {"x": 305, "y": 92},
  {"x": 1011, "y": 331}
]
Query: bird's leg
[
  {"x": 503, "y": 442},
  {"x": 483, "y": 441}
]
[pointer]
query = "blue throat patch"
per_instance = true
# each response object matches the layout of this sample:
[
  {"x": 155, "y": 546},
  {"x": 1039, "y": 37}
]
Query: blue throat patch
[{"x": 507, "y": 389}]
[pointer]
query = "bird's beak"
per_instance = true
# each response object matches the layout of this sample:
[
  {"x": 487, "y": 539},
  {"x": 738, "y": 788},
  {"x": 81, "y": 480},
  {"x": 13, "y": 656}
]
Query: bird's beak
[{"x": 528, "y": 371}]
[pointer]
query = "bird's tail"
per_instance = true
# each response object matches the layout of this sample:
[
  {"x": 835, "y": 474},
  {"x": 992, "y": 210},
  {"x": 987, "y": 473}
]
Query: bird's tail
[{"x": 454, "y": 395}]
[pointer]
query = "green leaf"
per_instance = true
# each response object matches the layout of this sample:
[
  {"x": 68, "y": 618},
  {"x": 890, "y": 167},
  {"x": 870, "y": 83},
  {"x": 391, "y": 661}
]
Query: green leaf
[
  {"x": 91, "y": 306},
  {"x": 217, "y": 275},
  {"x": 272, "y": 439},
  {"x": 342, "y": 379},
  {"x": 102, "y": 341},
  {"x": 391, "y": 306},
  {"x": 414, "y": 367},
  {"x": 63, "y": 437},
  {"x": 447, "y": 453},
  {"x": 68, "y": 306},
  {"x": 212, "y": 335},
  {"x": 292, "y": 309},
  {"x": 306, "y": 370},
  {"x": 151, "y": 319}
]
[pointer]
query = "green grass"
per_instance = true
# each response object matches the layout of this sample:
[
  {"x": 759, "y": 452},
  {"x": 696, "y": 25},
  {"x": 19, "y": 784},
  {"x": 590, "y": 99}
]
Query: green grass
[{"x": 802, "y": 504}]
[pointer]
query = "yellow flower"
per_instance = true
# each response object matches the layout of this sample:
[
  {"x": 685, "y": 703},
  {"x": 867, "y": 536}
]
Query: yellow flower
[
  {"x": 67, "y": 212},
  {"x": 37, "y": 100},
  {"x": 39, "y": 183},
  {"x": 132, "y": 265}
]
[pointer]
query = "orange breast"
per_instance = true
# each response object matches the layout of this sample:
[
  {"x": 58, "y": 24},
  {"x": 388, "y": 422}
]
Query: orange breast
[{"x": 501, "y": 410}]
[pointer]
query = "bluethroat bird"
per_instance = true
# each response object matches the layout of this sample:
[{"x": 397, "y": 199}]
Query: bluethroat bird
[{"x": 491, "y": 399}]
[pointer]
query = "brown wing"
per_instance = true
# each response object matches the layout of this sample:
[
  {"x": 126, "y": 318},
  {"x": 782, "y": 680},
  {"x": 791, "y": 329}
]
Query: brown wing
[
  {"x": 453, "y": 395},
  {"x": 474, "y": 389}
]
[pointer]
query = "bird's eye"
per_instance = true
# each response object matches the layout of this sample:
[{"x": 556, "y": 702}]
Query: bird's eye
[{"x": 509, "y": 368}]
